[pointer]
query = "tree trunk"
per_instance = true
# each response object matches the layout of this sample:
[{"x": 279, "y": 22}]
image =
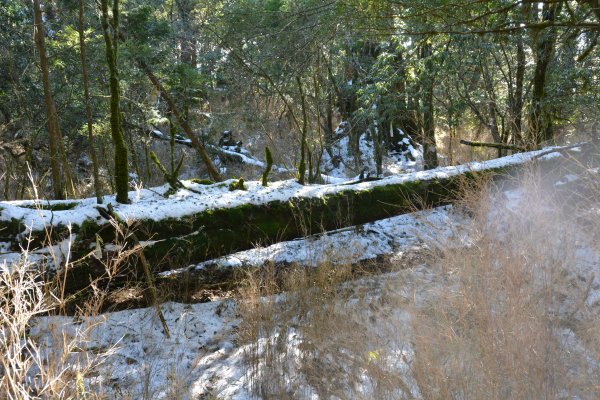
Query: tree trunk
[
  {"x": 499, "y": 146},
  {"x": 303, "y": 149},
  {"x": 212, "y": 170},
  {"x": 540, "y": 122},
  {"x": 516, "y": 100},
  {"x": 187, "y": 40},
  {"x": 403, "y": 120},
  {"x": 429, "y": 146},
  {"x": 52, "y": 117},
  {"x": 121, "y": 170},
  {"x": 188, "y": 45},
  {"x": 492, "y": 107},
  {"x": 88, "y": 108}
]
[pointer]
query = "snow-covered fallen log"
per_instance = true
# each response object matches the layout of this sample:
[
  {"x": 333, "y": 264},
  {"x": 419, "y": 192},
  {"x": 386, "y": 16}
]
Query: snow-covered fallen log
[
  {"x": 242, "y": 157},
  {"x": 211, "y": 221}
]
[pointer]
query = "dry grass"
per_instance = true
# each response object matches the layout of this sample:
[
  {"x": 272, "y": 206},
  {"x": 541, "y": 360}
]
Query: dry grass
[
  {"x": 510, "y": 316},
  {"x": 48, "y": 361},
  {"x": 496, "y": 330},
  {"x": 516, "y": 314},
  {"x": 28, "y": 368}
]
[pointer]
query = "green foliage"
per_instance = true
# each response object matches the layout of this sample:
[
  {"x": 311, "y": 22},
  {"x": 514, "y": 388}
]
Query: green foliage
[{"x": 240, "y": 61}]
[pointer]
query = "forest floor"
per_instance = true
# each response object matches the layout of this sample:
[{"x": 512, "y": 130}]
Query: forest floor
[{"x": 496, "y": 296}]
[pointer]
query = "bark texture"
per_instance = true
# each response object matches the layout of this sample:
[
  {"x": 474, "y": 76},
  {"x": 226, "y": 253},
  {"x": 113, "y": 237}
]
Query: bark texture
[
  {"x": 88, "y": 107},
  {"x": 121, "y": 167}
]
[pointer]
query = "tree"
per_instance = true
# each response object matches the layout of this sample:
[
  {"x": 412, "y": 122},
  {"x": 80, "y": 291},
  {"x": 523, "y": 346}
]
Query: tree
[
  {"x": 111, "y": 39},
  {"x": 58, "y": 159},
  {"x": 428, "y": 83},
  {"x": 540, "y": 121},
  {"x": 88, "y": 108}
]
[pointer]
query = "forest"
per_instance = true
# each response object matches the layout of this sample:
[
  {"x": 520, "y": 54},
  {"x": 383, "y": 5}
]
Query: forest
[
  {"x": 116, "y": 78},
  {"x": 277, "y": 199}
]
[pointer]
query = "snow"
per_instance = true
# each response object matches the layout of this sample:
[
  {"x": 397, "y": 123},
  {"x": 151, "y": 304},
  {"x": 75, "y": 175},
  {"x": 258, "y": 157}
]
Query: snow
[
  {"x": 150, "y": 204},
  {"x": 247, "y": 158},
  {"x": 137, "y": 359},
  {"x": 389, "y": 236},
  {"x": 204, "y": 358}
]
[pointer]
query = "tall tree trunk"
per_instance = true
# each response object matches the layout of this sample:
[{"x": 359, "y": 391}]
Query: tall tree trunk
[
  {"x": 492, "y": 107},
  {"x": 303, "y": 147},
  {"x": 188, "y": 44},
  {"x": 540, "y": 122},
  {"x": 52, "y": 117},
  {"x": 403, "y": 120},
  {"x": 121, "y": 170},
  {"x": 188, "y": 39},
  {"x": 88, "y": 108},
  {"x": 516, "y": 99},
  {"x": 429, "y": 146}
]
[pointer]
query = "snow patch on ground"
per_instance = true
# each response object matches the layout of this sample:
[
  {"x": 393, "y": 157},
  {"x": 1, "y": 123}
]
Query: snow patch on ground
[{"x": 138, "y": 361}]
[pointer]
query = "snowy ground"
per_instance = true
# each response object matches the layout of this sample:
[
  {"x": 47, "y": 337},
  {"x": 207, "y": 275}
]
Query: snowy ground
[
  {"x": 202, "y": 357},
  {"x": 130, "y": 357}
]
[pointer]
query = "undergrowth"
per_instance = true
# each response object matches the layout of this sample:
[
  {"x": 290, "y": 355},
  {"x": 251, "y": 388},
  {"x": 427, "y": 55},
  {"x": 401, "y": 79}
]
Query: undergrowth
[{"x": 514, "y": 314}]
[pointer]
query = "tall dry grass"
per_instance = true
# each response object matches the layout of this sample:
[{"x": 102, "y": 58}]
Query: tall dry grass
[
  {"x": 29, "y": 367},
  {"x": 47, "y": 360},
  {"x": 513, "y": 315},
  {"x": 502, "y": 326}
]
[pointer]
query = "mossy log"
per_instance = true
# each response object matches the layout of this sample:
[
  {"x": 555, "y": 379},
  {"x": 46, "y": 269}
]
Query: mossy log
[
  {"x": 210, "y": 233},
  {"x": 502, "y": 146}
]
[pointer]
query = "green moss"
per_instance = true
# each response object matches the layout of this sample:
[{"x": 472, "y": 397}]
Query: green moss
[
  {"x": 237, "y": 185},
  {"x": 269, "y": 159},
  {"x": 201, "y": 181},
  {"x": 51, "y": 206},
  {"x": 87, "y": 229}
]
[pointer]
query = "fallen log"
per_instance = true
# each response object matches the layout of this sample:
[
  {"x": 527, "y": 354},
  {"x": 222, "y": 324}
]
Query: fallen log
[
  {"x": 220, "y": 151},
  {"x": 501, "y": 146},
  {"x": 211, "y": 221}
]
